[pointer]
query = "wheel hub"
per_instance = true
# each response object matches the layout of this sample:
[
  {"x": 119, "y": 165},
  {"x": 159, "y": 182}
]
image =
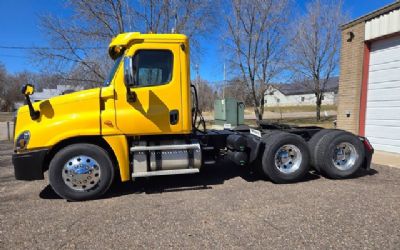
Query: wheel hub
[
  {"x": 81, "y": 173},
  {"x": 344, "y": 156},
  {"x": 288, "y": 159}
]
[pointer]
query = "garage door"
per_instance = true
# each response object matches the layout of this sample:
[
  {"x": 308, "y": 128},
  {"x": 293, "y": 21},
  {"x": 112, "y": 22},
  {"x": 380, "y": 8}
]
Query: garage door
[{"x": 382, "y": 124}]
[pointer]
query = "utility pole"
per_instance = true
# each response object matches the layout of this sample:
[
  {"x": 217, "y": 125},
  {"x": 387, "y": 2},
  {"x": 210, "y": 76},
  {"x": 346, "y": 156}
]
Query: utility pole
[
  {"x": 197, "y": 76},
  {"x": 224, "y": 83}
]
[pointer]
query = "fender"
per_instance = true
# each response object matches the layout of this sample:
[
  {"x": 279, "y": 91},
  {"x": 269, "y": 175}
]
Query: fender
[{"x": 119, "y": 145}]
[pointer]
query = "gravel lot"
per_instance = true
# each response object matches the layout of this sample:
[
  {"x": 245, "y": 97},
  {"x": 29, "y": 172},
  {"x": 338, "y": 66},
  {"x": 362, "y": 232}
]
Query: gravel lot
[{"x": 223, "y": 207}]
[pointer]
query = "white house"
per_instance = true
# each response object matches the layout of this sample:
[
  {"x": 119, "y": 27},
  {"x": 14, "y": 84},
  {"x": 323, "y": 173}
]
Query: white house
[
  {"x": 48, "y": 93},
  {"x": 299, "y": 94},
  {"x": 60, "y": 90}
]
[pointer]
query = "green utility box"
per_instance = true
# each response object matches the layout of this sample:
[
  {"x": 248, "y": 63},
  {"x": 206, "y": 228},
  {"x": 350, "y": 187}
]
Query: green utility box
[{"x": 228, "y": 111}]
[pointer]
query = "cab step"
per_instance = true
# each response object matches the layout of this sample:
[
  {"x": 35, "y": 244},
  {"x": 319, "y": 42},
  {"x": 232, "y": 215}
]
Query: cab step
[{"x": 194, "y": 146}]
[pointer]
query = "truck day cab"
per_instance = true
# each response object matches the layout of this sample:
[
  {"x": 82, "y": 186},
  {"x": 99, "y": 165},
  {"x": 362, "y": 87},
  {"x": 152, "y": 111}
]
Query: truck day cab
[{"x": 141, "y": 123}]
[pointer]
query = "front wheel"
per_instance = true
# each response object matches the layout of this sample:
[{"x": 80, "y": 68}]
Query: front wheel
[
  {"x": 286, "y": 158},
  {"x": 81, "y": 172}
]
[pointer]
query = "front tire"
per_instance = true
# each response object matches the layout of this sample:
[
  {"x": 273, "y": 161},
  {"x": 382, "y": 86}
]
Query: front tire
[
  {"x": 81, "y": 172},
  {"x": 286, "y": 158}
]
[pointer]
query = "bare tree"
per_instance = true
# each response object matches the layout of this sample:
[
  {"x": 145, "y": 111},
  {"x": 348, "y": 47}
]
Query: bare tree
[
  {"x": 255, "y": 35},
  {"x": 206, "y": 94},
  {"x": 191, "y": 17},
  {"x": 78, "y": 45},
  {"x": 3, "y": 82},
  {"x": 315, "y": 46},
  {"x": 236, "y": 88},
  {"x": 82, "y": 39},
  {"x": 12, "y": 90}
]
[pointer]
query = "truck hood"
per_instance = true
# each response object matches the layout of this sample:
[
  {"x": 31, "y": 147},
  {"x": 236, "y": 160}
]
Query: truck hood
[{"x": 61, "y": 117}]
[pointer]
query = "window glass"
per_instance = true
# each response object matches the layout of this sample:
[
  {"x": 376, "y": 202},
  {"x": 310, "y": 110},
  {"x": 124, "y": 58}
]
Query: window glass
[
  {"x": 112, "y": 71},
  {"x": 153, "y": 67}
]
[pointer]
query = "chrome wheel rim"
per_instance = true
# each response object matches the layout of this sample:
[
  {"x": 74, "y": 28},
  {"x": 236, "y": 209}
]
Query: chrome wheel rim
[
  {"x": 344, "y": 156},
  {"x": 81, "y": 173},
  {"x": 288, "y": 159}
]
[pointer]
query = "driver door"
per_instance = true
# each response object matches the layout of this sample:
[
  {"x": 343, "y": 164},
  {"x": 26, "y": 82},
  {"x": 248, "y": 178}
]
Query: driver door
[{"x": 154, "y": 104}]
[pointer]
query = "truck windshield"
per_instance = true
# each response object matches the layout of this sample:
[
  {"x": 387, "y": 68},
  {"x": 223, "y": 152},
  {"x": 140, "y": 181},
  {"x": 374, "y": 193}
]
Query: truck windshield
[{"x": 112, "y": 72}]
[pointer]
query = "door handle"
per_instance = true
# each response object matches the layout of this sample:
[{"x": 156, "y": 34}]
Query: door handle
[{"x": 173, "y": 117}]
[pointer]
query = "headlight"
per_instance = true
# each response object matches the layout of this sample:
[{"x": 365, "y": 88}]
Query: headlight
[{"x": 22, "y": 141}]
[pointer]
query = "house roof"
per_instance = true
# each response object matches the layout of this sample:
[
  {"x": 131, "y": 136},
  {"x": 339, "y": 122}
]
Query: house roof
[
  {"x": 371, "y": 15},
  {"x": 48, "y": 93},
  {"x": 299, "y": 88}
]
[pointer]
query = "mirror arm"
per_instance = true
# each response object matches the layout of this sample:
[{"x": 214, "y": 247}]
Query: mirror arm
[
  {"x": 130, "y": 96},
  {"x": 32, "y": 112}
]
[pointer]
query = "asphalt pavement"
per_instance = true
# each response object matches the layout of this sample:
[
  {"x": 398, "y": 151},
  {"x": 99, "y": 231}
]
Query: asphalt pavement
[{"x": 223, "y": 207}]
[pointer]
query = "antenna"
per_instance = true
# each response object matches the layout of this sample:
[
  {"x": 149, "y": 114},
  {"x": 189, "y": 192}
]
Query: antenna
[
  {"x": 174, "y": 30},
  {"x": 129, "y": 15}
]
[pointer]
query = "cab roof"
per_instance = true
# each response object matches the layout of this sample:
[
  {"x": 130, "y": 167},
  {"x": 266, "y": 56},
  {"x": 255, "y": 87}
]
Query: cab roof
[{"x": 124, "y": 40}]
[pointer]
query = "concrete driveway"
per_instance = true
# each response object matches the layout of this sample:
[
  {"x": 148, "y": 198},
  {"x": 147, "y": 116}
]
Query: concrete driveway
[{"x": 223, "y": 207}]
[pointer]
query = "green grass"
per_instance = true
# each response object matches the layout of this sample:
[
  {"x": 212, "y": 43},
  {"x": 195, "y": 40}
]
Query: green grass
[
  {"x": 285, "y": 109},
  {"x": 326, "y": 122},
  {"x": 292, "y": 109}
]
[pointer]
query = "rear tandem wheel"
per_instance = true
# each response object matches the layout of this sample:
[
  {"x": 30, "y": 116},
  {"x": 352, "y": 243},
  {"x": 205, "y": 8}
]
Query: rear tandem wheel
[{"x": 285, "y": 158}]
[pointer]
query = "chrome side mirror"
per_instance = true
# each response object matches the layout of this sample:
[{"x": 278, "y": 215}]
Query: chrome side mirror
[{"x": 129, "y": 79}]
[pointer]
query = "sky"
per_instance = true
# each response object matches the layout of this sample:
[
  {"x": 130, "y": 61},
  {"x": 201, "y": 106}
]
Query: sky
[{"x": 19, "y": 22}]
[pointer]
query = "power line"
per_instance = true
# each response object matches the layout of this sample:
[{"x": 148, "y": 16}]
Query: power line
[
  {"x": 33, "y": 47},
  {"x": 16, "y": 56}
]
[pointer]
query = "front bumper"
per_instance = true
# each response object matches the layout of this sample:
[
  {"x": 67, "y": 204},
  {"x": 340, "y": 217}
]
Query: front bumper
[{"x": 29, "y": 166}]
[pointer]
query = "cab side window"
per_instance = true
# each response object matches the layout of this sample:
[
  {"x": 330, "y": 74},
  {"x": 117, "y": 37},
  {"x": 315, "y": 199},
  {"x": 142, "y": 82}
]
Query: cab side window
[{"x": 152, "y": 67}]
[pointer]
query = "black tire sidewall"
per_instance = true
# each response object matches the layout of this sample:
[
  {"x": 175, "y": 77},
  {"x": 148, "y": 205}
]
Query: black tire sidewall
[
  {"x": 273, "y": 144},
  {"x": 325, "y": 158},
  {"x": 65, "y": 154},
  {"x": 312, "y": 143}
]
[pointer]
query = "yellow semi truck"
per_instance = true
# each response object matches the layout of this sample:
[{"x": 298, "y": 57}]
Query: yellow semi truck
[{"x": 144, "y": 121}]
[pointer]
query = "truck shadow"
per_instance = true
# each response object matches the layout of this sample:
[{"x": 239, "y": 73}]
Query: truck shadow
[{"x": 205, "y": 180}]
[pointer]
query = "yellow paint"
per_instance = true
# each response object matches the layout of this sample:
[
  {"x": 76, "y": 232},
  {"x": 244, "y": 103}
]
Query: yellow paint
[
  {"x": 149, "y": 114},
  {"x": 29, "y": 89},
  {"x": 108, "y": 123},
  {"x": 127, "y": 39},
  {"x": 61, "y": 117},
  {"x": 119, "y": 145},
  {"x": 107, "y": 112}
]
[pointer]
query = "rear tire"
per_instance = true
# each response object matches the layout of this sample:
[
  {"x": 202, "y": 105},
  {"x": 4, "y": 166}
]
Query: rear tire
[
  {"x": 286, "y": 158},
  {"x": 81, "y": 172},
  {"x": 312, "y": 143},
  {"x": 339, "y": 154}
]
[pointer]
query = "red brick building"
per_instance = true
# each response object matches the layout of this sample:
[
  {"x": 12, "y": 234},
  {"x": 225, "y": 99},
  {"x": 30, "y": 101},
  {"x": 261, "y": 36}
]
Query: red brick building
[{"x": 369, "y": 83}]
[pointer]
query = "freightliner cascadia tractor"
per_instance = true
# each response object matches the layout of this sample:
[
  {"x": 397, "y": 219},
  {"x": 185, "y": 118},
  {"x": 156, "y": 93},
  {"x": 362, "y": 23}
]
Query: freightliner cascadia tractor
[{"x": 144, "y": 121}]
